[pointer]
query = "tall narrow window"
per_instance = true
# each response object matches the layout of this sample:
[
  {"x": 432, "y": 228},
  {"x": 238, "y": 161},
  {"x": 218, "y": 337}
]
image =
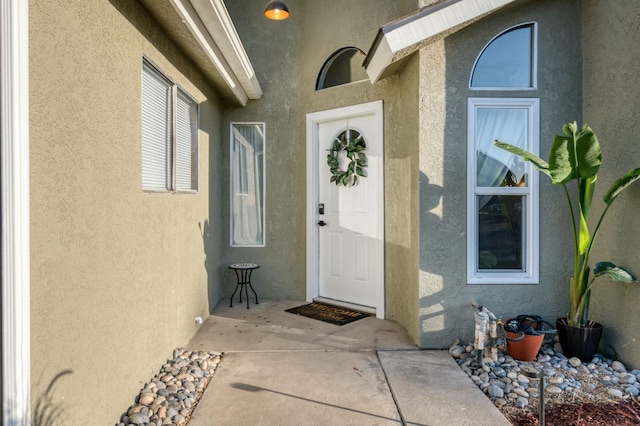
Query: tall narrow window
[
  {"x": 502, "y": 223},
  {"x": 508, "y": 61},
  {"x": 247, "y": 184},
  {"x": 169, "y": 134}
]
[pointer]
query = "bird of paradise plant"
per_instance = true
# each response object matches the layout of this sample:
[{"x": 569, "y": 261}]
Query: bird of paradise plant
[{"x": 576, "y": 157}]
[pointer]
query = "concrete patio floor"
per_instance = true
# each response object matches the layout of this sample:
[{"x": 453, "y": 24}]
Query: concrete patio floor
[{"x": 283, "y": 369}]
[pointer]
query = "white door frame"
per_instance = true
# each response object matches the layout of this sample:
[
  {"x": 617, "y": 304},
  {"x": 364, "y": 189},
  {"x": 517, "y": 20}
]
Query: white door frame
[
  {"x": 313, "y": 236},
  {"x": 14, "y": 143}
]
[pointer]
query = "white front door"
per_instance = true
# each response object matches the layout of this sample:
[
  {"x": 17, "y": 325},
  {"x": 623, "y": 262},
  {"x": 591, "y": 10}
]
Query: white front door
[{"x": 345, "y": 228}]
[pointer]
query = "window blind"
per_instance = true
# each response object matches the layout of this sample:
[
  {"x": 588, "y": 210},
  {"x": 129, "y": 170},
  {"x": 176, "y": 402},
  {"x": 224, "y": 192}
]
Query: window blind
[
  {"x": 156, "y": 131},
  {"x": 186, "y": 143}
]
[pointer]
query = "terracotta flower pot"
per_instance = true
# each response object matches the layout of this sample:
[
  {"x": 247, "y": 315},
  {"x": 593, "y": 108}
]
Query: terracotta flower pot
[{"x": 525, "y": 349}]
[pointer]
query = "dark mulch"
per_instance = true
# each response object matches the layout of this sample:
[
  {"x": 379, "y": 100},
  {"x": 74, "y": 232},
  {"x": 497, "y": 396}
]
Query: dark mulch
[{"x": 587, "y": 414}]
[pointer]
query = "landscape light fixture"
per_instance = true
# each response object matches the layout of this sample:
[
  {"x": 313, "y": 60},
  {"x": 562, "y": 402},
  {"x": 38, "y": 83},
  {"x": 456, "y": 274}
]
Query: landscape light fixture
[{"x": 276, "y": 10}]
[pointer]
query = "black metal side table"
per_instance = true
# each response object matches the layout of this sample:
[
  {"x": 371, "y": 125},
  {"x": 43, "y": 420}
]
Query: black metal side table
[{"x": 243, "y": 274}]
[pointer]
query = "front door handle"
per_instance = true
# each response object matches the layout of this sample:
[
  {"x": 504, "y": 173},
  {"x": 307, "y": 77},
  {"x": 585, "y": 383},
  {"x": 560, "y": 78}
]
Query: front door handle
[{"x": 322, "y": 223}]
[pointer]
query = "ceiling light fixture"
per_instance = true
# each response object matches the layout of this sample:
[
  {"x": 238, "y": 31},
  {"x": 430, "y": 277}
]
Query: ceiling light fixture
[{"x": 276, "y": 10}]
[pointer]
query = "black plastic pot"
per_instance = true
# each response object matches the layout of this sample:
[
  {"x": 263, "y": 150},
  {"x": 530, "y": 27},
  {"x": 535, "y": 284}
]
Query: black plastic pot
[{"x": 581, "y": 342}]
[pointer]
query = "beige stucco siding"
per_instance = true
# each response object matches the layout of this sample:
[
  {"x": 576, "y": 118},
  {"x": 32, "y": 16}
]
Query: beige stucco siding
[
  {"x": 445, "y": 296},
  {"x": 611, "y": 104},
  {"x": 402, "y": 203},
  {"x": 118, "y": 275}
]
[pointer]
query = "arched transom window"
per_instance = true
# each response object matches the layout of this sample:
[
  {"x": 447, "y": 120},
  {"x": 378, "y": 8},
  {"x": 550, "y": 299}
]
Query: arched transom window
[
  {"x": 343, "y": 66},
  {"x": 508, "y": 61}
]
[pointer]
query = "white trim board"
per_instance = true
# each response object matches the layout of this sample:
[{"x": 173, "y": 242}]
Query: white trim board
[
  {"x": 211, "y": 25},
  {"x": 14, "y": 143}
]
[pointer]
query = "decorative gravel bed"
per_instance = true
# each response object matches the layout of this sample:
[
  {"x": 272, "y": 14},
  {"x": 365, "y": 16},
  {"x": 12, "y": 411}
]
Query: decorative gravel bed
[
  {"x": 600, "y": 392},
  {"x": 172, "y": 395}
]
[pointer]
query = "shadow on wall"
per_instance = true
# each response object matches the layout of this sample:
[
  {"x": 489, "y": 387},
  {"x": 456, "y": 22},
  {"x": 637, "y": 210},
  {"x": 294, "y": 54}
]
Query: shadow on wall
[
  {"x": 446, "y": 313},
  {"x": 46, "y": 411},
  {"x": 220, "y": 279},
  {"x": 432, "y": 307},
  {"x": 213, "y": 282}
]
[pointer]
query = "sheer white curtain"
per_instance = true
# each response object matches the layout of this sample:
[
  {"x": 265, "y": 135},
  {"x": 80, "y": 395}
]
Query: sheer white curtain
[
  {"x": 492, "y": 163},
  {"x": 247, "y": 184},
  {"x": 507, "y": 125}
]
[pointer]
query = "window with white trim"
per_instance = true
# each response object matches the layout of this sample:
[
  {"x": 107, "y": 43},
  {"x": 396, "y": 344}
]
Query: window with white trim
[
  {"x": 502, "y": 192},
  {"x": 169, "y": 134},
  {"x": 508, "y": 61},
  {"x": 247, "y": 184}
]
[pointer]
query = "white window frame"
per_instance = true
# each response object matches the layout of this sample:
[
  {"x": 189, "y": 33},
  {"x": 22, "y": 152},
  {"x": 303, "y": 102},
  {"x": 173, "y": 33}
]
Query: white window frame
[
  {"x": 258, "y": 183},
  {"x": 177, "y": 129},
  {"x": 534, "y": 59},
  {"x": 530, "y": 275}
]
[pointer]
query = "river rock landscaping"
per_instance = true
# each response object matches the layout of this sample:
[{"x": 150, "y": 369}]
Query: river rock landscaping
[
  {"x": 172, "y": 395},
  {"x": 599, "y": 392}
]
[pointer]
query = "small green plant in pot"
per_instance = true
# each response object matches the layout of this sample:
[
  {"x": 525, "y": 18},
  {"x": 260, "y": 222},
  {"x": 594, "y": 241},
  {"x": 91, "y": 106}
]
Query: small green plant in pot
[{"x": 574, "y": 159}]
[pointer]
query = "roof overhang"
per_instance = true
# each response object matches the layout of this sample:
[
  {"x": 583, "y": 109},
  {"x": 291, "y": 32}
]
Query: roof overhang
[
  {"x": 400, "y": 38},
  {"x": 204, "y": 31}
]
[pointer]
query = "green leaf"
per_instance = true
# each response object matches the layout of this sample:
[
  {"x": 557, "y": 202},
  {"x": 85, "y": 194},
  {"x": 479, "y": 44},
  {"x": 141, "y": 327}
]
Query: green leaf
[
  {"x": 562, "y": 167},
  {"x": 585, "y": 238},
  {"x": 570, "y": 128},
  {"x": 588, "y": 153},
  {"x": 616, "y": 273},
  {"x": 487, "y": 259},
  {"x": 620, "y": 184},
  {"x": 537, "y": 162},
  {"x": 587, "y": 187},
  {"x": 361, "y": 172}
]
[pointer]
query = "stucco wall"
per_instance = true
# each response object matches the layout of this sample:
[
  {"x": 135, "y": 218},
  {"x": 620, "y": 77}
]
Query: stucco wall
[
  {"x": 288, "y": 56},
  {"x": 118, "y": 275},
  {"x": 402, "y": 202},
  {"x": 273, "y": 48},
  {"x": 445, "y": 296},
  {"x": 611, "y": 91}
]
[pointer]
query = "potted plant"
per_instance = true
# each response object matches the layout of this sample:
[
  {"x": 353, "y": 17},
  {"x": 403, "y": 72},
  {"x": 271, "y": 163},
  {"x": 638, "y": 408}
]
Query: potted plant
[{"x": 575, "y": 158}]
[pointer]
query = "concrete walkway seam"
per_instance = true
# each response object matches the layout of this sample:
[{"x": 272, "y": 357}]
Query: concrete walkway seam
[{"x": 393, "y": 395}]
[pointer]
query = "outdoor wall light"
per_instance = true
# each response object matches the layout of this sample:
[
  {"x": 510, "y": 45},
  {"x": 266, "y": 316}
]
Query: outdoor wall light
[{"x": 276, "y": 10}]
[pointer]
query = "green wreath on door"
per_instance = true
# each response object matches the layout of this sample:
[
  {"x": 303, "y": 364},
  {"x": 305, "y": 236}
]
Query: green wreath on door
[{"x": 357, "y": 161}]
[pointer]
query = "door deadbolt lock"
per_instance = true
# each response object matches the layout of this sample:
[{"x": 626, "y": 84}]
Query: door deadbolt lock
[{"x": 321, "y": 208}]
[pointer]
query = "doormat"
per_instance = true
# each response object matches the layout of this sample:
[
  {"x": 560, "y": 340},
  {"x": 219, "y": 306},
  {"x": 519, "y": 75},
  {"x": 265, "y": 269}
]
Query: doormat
[{"x": 328, "y": 313}]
